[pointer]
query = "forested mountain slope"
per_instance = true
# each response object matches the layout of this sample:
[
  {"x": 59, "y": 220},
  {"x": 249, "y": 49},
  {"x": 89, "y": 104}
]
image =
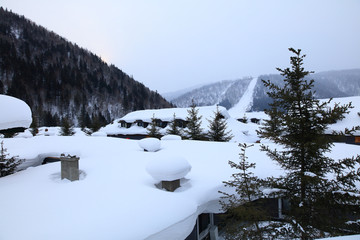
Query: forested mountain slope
[{"x": 60, "y": 79}]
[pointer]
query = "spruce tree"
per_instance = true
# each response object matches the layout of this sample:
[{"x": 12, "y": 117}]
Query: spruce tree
[
  {"x": 245, "y": 216},
  {"x": 8, "y": 164},
  {"x": 153, "y": 130},
  {"x": 217, "y": 128},
  {"x": 193, "y": 127},
  {"x": 173, "y": 128},
  {"x": 67, "y": 128},
  {"x": 297, "y": 123},
  {"x": 34, "y": 127}
]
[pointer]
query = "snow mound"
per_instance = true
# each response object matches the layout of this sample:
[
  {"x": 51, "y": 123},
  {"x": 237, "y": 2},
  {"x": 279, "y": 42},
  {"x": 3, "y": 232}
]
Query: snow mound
[
  {"x": 15, "y": 113},
  {"x": 150, "y": 144},
  {"x": 168, "y": 168},
  {"x": 99, "y": 134},
  {"x": 171, "y": 137}
]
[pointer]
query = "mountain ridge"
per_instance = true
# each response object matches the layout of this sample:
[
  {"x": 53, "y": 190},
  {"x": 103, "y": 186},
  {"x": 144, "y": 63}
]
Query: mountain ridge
[
  {"x": 59, "y": 79},
  {"x": 333, "y": 83}
]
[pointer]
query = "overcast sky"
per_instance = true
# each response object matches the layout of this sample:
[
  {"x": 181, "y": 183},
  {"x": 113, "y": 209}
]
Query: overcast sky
[{"x": 170, "y": 45}]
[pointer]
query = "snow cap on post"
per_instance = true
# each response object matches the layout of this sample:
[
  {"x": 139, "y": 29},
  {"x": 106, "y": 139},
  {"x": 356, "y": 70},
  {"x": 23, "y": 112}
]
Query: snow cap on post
[
  {"x": 150, "y": 144},
  {"x": 168, "y": 168}
]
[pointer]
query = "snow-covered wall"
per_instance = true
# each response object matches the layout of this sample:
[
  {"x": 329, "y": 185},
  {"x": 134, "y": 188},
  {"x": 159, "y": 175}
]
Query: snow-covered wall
[{"x": 14, "y": 113}]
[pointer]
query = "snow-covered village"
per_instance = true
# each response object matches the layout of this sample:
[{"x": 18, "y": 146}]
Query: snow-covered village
[{"x": 87, "y": 152}]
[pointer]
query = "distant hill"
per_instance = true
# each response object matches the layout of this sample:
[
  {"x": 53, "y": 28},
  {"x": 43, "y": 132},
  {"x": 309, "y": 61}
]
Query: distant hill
[
  {"x": 226, "y": 93},
  {"x": 59, "y": 79},
  {"x": 343, "y": 83}
]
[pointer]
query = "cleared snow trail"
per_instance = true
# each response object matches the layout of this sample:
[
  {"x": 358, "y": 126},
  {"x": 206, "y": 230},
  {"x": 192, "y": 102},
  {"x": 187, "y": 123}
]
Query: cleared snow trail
[{"x": 245, "y": 102}]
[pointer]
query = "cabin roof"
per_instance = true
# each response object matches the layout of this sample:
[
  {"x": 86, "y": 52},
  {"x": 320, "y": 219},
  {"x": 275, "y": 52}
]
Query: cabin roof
[{"x": 167, "y": 114}]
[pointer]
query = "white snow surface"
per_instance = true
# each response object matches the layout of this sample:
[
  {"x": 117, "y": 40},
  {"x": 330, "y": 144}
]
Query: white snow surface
[
  {"x": 245, "y": 102},
  {"x": 171, "y": 137},
  {"x": 150, "y": 144},
  {"x": 14, "y": 113},
  {"x": 116, "y": 198},
  {"x": 167, "y": 114},
  {"x": 168, "y": 168}
]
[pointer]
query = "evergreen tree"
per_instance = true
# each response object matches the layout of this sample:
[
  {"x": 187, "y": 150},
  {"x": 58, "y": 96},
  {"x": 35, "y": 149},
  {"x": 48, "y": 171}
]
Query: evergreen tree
[
  {"x": 218, "y": 127},
  {"x": 67, "y": 128},
  {"x": 153, "y": 130},
  {"x": 193, "y": 127},
  {"x": 7, "y": 165},
  {"x": 297, "y": 123},
  {"x": 245, "y": 216},
  {"x": 34, "y": 127},
  {"x": 173, "y": 128}
]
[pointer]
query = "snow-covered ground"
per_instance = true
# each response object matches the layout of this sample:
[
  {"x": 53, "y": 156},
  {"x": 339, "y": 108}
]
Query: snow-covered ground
[{"x": 116, "y": 198}]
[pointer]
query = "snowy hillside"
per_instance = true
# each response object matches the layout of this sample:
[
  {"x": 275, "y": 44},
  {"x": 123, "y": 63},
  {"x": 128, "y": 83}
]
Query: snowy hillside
[
  {"x": 226, "y": 93},
  {"x": 342, "y": 83}
]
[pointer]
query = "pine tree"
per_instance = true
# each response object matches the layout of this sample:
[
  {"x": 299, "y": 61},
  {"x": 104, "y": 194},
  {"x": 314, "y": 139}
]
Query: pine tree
[
  {"x": 173, "y": 128},
  {"x": 7, "y": 165},
  {"x": 67, "y": 128},
  {"x": 244, "y": 218},
  {"x": 193, "y": 127},
  {"x": 218, "y": 127},
  {"x": 297, "y": 123},
  {"x": 153, "y": 130}
]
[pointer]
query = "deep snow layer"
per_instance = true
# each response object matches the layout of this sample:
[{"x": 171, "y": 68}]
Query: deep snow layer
[
  {"x": 116, "y": 198},
  {"x": 14, "y": 113}
]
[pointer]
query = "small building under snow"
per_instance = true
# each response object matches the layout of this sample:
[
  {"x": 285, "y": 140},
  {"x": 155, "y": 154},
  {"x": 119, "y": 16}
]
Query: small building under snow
[
  {"x": 15, "y": 115},
  {"x": 134, "y": 125}
]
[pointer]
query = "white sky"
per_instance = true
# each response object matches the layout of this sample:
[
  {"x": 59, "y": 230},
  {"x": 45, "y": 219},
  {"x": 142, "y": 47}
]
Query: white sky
[{"x": 170, "y": 45}]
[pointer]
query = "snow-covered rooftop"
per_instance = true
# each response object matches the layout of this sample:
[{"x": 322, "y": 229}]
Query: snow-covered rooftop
[
  {"x": 115, "y": 197},
  {"x": 14, "y": 113},
  {"x": 167, "y": 114}
]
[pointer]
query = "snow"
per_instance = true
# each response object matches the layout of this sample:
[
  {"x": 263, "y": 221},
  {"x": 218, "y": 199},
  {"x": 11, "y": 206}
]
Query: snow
[
  {"x": 245, "y": 102},
  {"x": 116, "y": 198},
  {"x": 171, "y": 137},
  {"x": 150, "y": 144},
  {"x": 167, "y": 114},
  {"x": 15, "y": 113},
  {"x": 351, "y": 119},
  {"x": 168, "y": 168},
  {"x": 351, "y": 237}
]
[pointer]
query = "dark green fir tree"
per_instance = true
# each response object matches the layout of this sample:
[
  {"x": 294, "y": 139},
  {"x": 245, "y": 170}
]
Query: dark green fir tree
[
  {"x": 297, "y": 124},
  {"x": 153, "y": 130},
  {"x": 217, "y": 128},
  {"x": 173, "y": 128},
  {"x": 246, "y": 217},
  {"x": 67, "y": 128},
  {"x": 193, "y": 129},
  {"x": 8, "y": 164}
]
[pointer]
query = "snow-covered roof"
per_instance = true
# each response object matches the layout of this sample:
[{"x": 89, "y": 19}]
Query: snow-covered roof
[
  {"x": 115, "y": 197},
  {"x": 167, "y": 114},
  {"x": 352, "y": 119},
  {"x": 14, "y": 113}
]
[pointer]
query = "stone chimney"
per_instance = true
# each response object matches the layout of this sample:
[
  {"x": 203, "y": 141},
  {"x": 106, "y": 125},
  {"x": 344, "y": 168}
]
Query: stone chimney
[{"x": 69, "y": 167}]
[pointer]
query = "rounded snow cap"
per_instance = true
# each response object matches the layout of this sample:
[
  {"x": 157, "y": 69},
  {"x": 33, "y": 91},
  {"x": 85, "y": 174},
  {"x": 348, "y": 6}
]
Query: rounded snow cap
[
  {"x": 15, "y": 113},
  {"x": 171, "y": 137},
  {"x": 168, "y": 168},
  {"x": 150, "y": 144}
]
